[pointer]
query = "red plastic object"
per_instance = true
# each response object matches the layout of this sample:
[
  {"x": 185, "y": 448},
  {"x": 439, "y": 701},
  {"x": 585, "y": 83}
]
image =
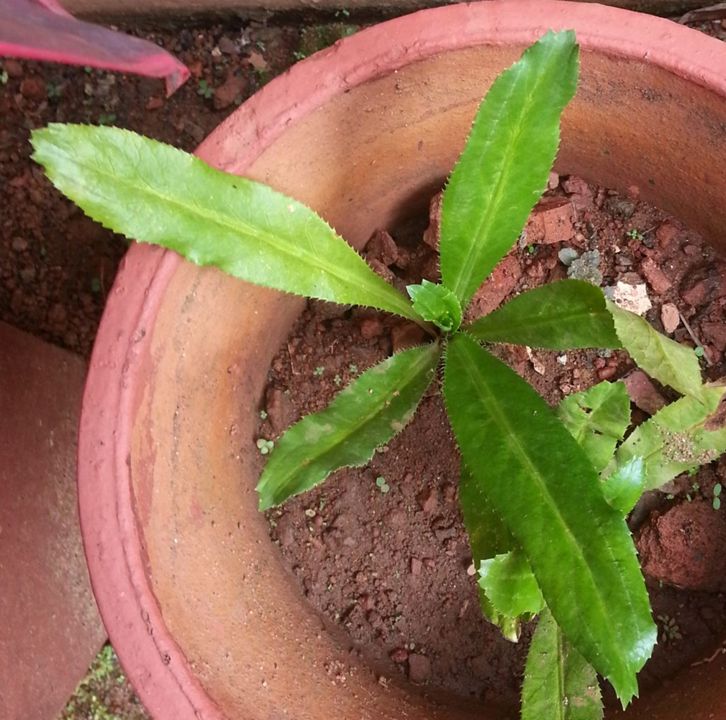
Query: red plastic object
[{"x": 43, "y": 30}]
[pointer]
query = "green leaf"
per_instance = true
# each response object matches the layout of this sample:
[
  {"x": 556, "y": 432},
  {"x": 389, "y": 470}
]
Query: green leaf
[
  {"x": 154, "y": 193},
  {"x": 540, "y": 482},
  {"x": 509, "y": 583},
  {"x": 597, "y": 418},
  {"x": 436, "y": 304},
  {"x": 559, "y": 684},
  {"x": 503, "y": 169},
  {"x": 623, "y": 488},
  {"x": 669, "y": 362},
  {"x": 488, "y": 537},
  {"x": 363, "y": 416},
  {"x": 558, "y": 316},
  {"x": 675, "y": 439}
]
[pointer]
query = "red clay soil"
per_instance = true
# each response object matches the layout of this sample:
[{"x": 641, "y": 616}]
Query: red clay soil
[{"x": 393, "y": 568}]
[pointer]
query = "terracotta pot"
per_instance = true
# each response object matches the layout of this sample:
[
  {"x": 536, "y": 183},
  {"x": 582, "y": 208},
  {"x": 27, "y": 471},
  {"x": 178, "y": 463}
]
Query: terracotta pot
[{"x": 193, "y": 594}]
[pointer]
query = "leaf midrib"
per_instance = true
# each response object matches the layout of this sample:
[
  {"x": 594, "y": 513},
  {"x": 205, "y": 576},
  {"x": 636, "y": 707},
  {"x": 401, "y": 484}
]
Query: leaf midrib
[
  {"x": 239, "y": 227},
  {"x": 654, "y": 339},
  {"x": 485, "y": 219},
  {"x": 369, "y": 416},
  {"x": 537, "y": 321},
  {"x": 536, "y": 474}
]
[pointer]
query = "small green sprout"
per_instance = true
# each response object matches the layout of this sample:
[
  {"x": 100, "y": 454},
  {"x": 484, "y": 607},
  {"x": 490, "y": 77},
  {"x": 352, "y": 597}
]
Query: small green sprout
[
  {"x": 353, "y": 369},
  {"x": 635, "y": 234},
  {"x": 263, "y": 415},
  {"x": 262, "y": 75},
  {"x": 531, "y": 249},
  {"x": 204, "y": 89},
  {"x": 338, "y": 380},
  {"x": 717, "y": 496},
  {"x": 382, "y": 485},
  {"x": 265, "y": 446},
  {"x": 54, "y": 90},
  {"x": 319, "y": 370},
  {"x": 699, "y": 351}
]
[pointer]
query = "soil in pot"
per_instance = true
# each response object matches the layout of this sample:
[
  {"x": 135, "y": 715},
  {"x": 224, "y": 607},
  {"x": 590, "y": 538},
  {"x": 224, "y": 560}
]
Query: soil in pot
[{"x": 381, "y": 550}]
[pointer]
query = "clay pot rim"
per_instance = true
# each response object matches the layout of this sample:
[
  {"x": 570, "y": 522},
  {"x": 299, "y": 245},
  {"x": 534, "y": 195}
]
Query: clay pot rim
[{"x": 114, "y": 548}]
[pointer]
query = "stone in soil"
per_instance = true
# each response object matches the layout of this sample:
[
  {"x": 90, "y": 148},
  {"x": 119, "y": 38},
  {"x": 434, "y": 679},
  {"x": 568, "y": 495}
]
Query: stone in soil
[
  {"x": 231, "y": 91},
  {"x": 643, "y": 392},
  {"x": 684, "y": 546},
  {"x": 670, "y": 318},
  {"x": 656, "y": 278},
  {"x": 550, "y": 222},
  {"x": 579, "y": 192},
  {"x": 433, "y": 231}
]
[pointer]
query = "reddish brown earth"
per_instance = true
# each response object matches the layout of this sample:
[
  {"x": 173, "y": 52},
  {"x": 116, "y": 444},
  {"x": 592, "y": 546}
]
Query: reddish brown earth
[
  {"x": 393, "y": 568},
  {"x": 56, "y": 265}
]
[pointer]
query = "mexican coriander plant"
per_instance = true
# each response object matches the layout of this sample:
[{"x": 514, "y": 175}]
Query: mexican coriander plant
[{"x": 544, "y": 492}]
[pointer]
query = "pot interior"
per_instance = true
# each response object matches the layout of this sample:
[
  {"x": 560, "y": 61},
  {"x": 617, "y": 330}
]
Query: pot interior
[{"x": 364, "y": 160}]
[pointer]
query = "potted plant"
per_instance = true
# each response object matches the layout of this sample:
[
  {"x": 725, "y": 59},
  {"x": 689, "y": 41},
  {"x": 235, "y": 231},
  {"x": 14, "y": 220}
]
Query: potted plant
[{"x": 183, "y": 522}]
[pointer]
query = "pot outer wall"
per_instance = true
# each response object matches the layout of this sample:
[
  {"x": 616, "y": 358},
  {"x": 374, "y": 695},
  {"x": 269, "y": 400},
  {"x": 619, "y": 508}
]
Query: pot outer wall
[{"x": 192, "y": 592}]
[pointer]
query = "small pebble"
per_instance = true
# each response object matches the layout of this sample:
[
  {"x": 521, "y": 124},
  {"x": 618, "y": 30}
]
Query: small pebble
[{"x": 669, "y": 317}]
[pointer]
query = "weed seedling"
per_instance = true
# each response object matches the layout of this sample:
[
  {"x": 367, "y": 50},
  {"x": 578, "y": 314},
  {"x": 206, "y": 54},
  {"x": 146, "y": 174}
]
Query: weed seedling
[
  {"x": 204, "y": 89},
  {"x": 544, "y": 492},
  {"x": 54, "y": 90},
  {"x": 265, "y": 446}
]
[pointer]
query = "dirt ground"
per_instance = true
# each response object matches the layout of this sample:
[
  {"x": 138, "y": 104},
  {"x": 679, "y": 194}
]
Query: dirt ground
[{"x": 56, "y": 266}]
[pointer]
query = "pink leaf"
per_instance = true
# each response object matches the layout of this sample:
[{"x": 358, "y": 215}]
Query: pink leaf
[{"x": 43, "y": 30}]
